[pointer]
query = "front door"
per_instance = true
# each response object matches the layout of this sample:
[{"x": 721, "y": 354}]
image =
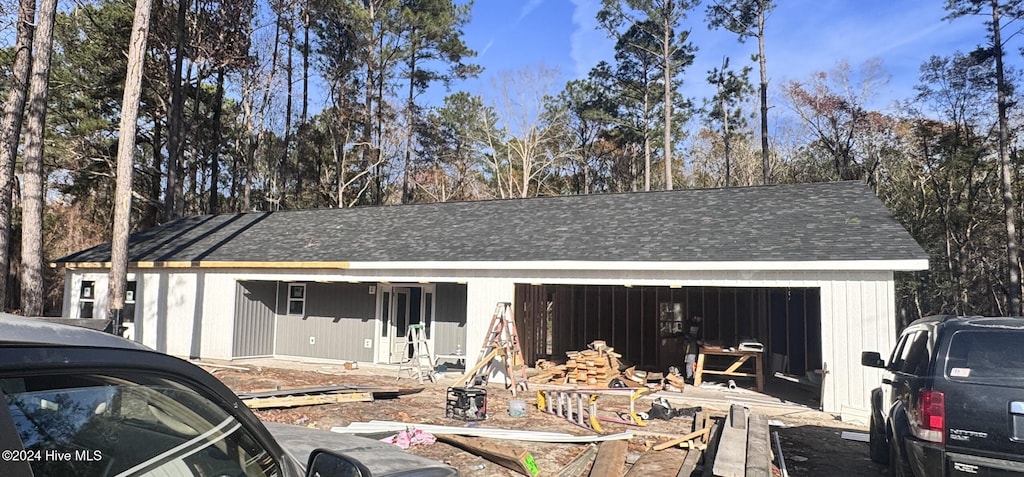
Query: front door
[{"x": 395, "y": 315}]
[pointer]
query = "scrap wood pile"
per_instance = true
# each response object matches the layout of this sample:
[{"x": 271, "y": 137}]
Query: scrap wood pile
[{"x": 595, "y": 366}]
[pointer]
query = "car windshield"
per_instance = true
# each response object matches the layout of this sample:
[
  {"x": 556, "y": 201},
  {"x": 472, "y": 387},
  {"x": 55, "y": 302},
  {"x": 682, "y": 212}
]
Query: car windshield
[
  {"x": 991, "y": 356},
  {"x": 105, "y": 426}
]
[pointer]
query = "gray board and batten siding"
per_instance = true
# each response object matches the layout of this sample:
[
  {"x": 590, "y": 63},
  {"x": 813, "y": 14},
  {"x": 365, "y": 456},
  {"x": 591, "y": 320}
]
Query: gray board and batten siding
[
  {"x": 338, "y": 316},
  {"x": 254, "y": 319}
]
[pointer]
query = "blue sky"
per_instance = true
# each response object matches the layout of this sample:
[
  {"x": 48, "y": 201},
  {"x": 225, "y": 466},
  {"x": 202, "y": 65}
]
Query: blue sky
[{"x": 803, "y": 36}]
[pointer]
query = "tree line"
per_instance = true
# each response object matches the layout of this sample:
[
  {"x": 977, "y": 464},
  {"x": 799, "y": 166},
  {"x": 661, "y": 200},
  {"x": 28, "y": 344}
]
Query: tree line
[{"x": 247, "y": 105}]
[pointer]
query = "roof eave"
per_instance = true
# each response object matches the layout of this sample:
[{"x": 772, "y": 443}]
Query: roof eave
[{"x": 899, "y": 265}]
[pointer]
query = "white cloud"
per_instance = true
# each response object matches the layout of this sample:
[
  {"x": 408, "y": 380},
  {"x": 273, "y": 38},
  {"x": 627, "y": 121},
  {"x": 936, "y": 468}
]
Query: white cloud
[
  {"x": 530, "y": 6},
  {"x": 483, "y": 51},
  {"x": 587, "y": 44}
]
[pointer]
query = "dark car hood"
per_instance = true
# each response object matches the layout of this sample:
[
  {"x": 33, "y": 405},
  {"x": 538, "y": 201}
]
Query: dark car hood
[{"x": 382, "y": 459}]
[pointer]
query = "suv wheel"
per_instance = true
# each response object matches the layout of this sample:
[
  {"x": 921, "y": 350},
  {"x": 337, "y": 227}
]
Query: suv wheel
[{"x": 877, "y": 443}]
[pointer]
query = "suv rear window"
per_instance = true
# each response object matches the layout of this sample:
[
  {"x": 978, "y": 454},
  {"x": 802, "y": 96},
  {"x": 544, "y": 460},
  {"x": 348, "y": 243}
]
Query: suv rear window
[{"x": 993, "y": 357}]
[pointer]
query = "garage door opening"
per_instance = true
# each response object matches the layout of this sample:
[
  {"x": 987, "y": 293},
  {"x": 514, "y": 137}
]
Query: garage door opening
[{"x": 643, "y": 323}]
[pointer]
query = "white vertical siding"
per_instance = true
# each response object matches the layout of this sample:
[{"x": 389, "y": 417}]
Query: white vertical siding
[
  {"x": 483, "y": 295},
  {"x": 169, "y": 312},
  {"x": 857, "y": 315},
  {"x": 218, "y": 315}
]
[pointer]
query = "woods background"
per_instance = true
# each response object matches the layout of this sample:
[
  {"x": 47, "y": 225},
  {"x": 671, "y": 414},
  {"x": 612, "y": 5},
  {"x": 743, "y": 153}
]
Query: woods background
[{"x": 298, "y": 104}]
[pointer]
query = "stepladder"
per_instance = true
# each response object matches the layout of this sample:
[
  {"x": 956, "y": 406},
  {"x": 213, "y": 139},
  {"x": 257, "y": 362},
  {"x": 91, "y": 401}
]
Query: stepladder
[
  {"x": 501, "y": 348},
  {"x": 415, "y": 356}
]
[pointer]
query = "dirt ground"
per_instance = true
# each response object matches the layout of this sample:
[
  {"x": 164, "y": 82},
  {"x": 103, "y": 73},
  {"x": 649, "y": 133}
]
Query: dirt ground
[{"x": 810, "y": 440}]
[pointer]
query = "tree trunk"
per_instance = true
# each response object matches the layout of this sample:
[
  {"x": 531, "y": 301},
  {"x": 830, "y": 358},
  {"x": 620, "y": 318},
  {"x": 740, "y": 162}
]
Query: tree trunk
[
  {"x": 1013, "y": 290},
  {"x": 175, "y": 119},
  {"x": 286, "y": 149},
  {"x": 32, "y": 200},
  {"x": 667, "y": 53},
  {"x": 10, "y": 132},
  {"x": 125, "y": 160},
  {"x": 765, "y": 165},
  {"x": 647, "y": 143},
  {"x": 152, "y": 215},
  {"x": 218, "y": 106},
  {"x": 410, "y": 106}
]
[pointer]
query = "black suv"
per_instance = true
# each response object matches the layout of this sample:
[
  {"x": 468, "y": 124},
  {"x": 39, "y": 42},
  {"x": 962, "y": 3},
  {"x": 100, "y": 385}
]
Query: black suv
[{"x": 952, "y": 399}]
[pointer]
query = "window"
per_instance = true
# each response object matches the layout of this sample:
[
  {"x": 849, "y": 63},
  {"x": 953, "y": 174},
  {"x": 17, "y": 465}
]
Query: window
[
  {"x": 428, "y": 312},
  {"x": 297, "y": 299},
  {"x": 128, "y": 425},
  {"x": 986, "y": 357},
  {"x": 917, "y": 355},
  {"x": 670, "y": 319},
  {"x": 128, "y": 315},
  {"x": 87, "y": 299},
  {"x": 385, "y": 313}
]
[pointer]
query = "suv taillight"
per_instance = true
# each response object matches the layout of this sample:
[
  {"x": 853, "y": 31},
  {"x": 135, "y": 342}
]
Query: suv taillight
[{"x": 929, "y": 420}]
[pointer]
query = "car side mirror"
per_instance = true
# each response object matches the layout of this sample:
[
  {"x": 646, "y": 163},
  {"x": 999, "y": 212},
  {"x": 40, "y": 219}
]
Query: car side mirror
[
  {"x": 325, "y": 463},
  {"x": 871, "y": 359}
]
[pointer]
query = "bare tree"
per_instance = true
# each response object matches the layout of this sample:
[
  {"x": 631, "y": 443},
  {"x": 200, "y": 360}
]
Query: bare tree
[
  {"x": 523, "y": 147},
  {"x": 10, "y": 131},
  {"x": 32, "y": 202},
  {"x": 125, "y": 159}
]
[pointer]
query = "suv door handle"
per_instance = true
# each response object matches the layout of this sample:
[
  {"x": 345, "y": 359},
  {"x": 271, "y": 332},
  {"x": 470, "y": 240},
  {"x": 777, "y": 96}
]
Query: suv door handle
[{"x": 886, "y": 381}]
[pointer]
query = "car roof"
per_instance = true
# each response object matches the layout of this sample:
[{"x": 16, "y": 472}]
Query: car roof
[
  {"x": 953, "y": 321},
  {"x": 16, "y": 329}
]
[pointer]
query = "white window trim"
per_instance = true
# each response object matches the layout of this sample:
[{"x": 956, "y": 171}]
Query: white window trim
[{"x": 288, "y": 309}]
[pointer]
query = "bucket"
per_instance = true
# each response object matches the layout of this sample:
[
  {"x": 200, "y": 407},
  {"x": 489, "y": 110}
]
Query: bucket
[{"x": 517, "y": 408}]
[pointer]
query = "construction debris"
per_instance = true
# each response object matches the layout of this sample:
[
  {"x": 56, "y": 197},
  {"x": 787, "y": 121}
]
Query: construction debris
[
  {"x": 319, "y": 395},
  {"x": 306, "y": 400},
  {"x": 579, "y": 465},
  {"x": 516, "y": 459},
  {"x": 611, "y": 458},
  {"x": 532, "y": 436}
]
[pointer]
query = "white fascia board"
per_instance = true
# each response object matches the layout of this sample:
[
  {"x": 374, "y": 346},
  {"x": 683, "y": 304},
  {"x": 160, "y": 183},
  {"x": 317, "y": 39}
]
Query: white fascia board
[{"x": 857, "y": 265}]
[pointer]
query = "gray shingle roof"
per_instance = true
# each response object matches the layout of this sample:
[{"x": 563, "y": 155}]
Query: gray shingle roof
[{"x": 803, "y": 222}]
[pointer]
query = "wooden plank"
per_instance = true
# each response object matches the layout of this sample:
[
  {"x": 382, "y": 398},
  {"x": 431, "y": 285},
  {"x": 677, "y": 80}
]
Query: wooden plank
[
  {"x": 731, "y": 456},
  {"x": 309, "y": 400},
  {"x": 317, "y": 390},
  {"x": 531, "y": 436},
  {"x": 579, "y": 465},
  {"x": 759, "y": 455},
  {"x": 712, "y": 451},
  {"x": 689, "y": 463},
  {"x": 516, "y": 459},
  {"x": 477, "y": 367},
  {"x": 658, "y": 463},
  {"x": 611, "y": 459},
  {"x": 680, "y": 440}
]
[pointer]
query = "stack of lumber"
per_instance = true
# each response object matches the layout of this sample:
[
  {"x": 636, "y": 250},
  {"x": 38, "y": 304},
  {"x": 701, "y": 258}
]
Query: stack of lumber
[
  {"x": 594, "y": 367},
  {"x": 547, "y": 372}
]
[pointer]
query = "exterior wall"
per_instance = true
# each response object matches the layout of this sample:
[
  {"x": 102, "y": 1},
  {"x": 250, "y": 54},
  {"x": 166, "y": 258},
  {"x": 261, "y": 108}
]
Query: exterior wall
[
  {"x": 255, "y": 317},
  {"x": 858, "y": 314},
  {"x": 171, "y": 308},
  {"x": 857, "y": 310},
  {"x": 339, "y": 318},
  {"x": 483, "y": 294},
  {"x": 449, "y": 327}
]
